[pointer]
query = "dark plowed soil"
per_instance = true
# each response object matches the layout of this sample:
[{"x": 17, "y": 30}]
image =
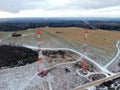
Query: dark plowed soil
[
  {"x": 110, "y": 85},
  {"x": 11, "y": 56}
]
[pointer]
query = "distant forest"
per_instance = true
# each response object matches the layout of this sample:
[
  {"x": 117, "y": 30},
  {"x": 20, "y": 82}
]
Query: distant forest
[{"x": 27, "y": 23}]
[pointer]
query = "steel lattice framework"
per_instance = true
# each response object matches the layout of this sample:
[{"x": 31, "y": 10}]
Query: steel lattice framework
[{"x": 85, "y": 49}]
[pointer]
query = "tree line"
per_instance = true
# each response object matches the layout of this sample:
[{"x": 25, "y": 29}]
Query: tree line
[{"x": 16, "y": 25}]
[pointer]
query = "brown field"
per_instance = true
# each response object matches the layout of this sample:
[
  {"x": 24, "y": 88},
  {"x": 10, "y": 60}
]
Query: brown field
[
  {"x": 101, "y": 43},
  {"x": 101, "y": 39}
]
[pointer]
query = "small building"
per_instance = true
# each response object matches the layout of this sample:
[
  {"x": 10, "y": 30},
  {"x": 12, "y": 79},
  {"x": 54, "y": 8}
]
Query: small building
[{"x": 16, "y": 34}]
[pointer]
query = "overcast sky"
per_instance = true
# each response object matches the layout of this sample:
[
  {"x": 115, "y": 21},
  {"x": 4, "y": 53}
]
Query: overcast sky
[{"x": 59, "y": 8}]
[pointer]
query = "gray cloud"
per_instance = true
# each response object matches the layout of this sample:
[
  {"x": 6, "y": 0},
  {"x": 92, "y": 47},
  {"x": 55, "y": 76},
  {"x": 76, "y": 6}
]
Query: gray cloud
[
  {"x": 18, "y": 5},
  {"x": 15, "y": 6},
  {"x": 90, "y": 4},
  {"x": 94, "y": 4}
]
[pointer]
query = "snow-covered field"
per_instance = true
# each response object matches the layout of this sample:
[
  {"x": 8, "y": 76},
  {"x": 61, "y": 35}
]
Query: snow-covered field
[
  {"x": 26, "y": 78},
  {"x": 15, "y": 78}
]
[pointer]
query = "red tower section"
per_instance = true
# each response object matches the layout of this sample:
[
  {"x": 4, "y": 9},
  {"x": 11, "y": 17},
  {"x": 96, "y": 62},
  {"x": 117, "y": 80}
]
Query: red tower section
[
  {"x": 41, "y": 71},
  {"x": 84, "y": 50}
]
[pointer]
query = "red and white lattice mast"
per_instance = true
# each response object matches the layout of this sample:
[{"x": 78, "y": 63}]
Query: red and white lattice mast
[
  {"x": 41, "y": 71},
  {"x": 85, "y": 50}
]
